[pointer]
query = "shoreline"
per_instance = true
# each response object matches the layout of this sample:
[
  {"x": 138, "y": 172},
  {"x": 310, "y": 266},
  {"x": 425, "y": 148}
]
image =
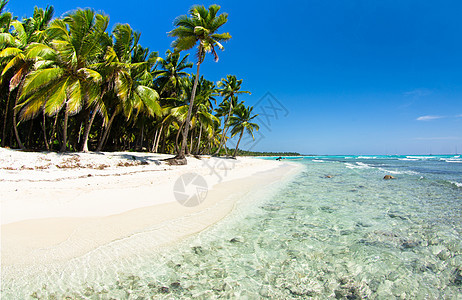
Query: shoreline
[{"x": 65, "y": 232}]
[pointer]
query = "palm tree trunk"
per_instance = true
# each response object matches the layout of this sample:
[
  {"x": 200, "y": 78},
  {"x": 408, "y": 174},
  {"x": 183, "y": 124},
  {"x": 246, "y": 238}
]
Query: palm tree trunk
[
  {"x": 140, "y": 147},
  {"x": 15, "y": 127},
  {"x": 181, "y": 154},
  {"x": 177, "y": 147},
  {"x": 29, "y": 133},
  {"x": 45, "y": 132},
  {"x": 224, "y": 144},
  {"x": 222, "y": 136},
  {"x": 154, "y": 139},
  {"x": 199, "y": 140},
  {"x": 64, "y": 142},
  {"x": 5, "y": 120},
  {"x": 191, "y": 145},
  {"x": 103, "y": 139},
  {"x": 240, "y": 137},
  {"x": 158, "y": 139},
  {"x": 86, "y": 133},
  {"x": 53, "y": 130},
  {"x": 164, "y": 142}
]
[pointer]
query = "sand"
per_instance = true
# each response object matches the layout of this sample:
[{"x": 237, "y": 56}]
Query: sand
[{"x": 57, "y": 207}]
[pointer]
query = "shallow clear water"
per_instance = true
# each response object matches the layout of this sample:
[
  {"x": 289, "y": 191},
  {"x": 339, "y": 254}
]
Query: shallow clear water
[{"x": 353, "y": 235}]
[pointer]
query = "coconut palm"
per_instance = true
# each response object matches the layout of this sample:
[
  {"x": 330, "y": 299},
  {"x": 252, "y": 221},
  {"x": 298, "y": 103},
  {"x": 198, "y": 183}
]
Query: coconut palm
[
  {"x": 223, "y": 111},
  {"x": 171, "y": 70},
  {"x": 202, "y": 116},
  {"x": 202, "y": 110},
  {"x": 200, "y": 26},
  {"x": 5, "y": 18},
  {"x": 24, "y": 35},
  {"x": 229, "y": 88},
  {"x": 240, "y": 121},
  {"x": 71, "y": 82},
  {"x": 128, "y": 73}
]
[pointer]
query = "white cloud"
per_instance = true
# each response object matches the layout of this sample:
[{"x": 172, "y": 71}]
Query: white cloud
[
  {"x": 428, "y": 118},
  {"x": 442, "y": 138},
  {"x": 418, "y": 92}
]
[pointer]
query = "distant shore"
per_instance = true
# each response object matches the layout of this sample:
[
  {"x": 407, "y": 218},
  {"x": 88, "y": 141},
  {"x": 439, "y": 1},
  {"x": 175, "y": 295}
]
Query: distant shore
[{"x": 56, "y": 207}]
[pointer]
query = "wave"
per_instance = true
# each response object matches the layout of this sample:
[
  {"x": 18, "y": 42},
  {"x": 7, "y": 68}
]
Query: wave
[
  {"x": 399, "y": 172},
  {"x": 408, "y": 159},
  {"x": 358, "y": 165},
  {"x": 318, "y": 160},
  {"x": 366, "y": 157},
  {"x": 422, "y": 157},
  {"x": 458, "y": 184},
  {"x": 452, "y": 160},
  {"x": 361, "y": 165}
]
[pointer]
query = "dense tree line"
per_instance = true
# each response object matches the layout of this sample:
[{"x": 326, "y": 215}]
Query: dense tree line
[
  {"x": 68, "y": 84},
  {"x": 256, "y": 153}
]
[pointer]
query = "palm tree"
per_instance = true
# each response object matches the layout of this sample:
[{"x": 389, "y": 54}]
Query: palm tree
[
  {"x": 71, "y": 81},
  {"x": 5, "y": 19},
  {"x": 25, "y": 34},
  {"x": 201, "y": 26},
  {"x": 202, "y": 116},
  {"x": 229, "y": 88},
  {"x": 128, "y": 72},
  {"x": 240, "y": 122},
  {"x": 171, "y": 70}
]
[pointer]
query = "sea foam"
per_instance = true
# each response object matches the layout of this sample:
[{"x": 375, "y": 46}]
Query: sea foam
[{"x": 458, "y": 184}]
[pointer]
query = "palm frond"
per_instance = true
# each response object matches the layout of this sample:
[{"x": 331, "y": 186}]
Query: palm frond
[
  {"x": 7, "y": 39},
  {"x": 149, "y": 98},
  {"x": 74, "y": 97},
  {"x": 10, "y": 51},
  {"x": 39, "y": 51},
  {"x": 185, "y": 43},
  {"x": 40, "y": 78},
  {"x": 19, "y": 32},
  {"x": 56, "y": 97}
]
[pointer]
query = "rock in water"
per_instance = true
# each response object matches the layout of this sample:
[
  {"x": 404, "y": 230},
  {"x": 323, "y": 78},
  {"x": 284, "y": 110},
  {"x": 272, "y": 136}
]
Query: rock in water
[{"x": 389, "y": 177}]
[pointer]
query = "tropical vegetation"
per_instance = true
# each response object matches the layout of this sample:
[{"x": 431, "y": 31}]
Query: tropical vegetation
[{"x": 68, "y": 84}]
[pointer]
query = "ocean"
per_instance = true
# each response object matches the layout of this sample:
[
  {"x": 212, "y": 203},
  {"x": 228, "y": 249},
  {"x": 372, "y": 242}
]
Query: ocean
[{"x": 337, "y": 229}]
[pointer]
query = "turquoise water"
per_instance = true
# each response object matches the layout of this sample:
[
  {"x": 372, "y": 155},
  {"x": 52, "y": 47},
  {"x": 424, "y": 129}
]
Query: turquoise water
[{"x": 335, "y": 230}]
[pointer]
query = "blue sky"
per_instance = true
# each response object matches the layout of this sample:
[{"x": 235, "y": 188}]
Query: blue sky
[{"x": 349, "y": 77}]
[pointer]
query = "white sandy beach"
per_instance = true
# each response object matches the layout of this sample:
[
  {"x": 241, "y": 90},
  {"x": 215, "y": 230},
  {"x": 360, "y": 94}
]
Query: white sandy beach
[{"x": 56, "y": 207}]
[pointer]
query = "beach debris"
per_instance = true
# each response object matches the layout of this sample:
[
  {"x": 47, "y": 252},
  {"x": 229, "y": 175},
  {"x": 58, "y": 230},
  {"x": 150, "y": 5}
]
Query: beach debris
[
  {"x": 176, "y": 161},
  {"x": 164, "y": 290},
  {"x": 389, "y": 177},
  {"x": 328, "y": 176}
]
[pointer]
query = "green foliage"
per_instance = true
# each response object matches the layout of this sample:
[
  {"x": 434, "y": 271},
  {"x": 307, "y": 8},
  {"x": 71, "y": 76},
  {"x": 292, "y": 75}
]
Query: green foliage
[{"x": 256, "y": 153}]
